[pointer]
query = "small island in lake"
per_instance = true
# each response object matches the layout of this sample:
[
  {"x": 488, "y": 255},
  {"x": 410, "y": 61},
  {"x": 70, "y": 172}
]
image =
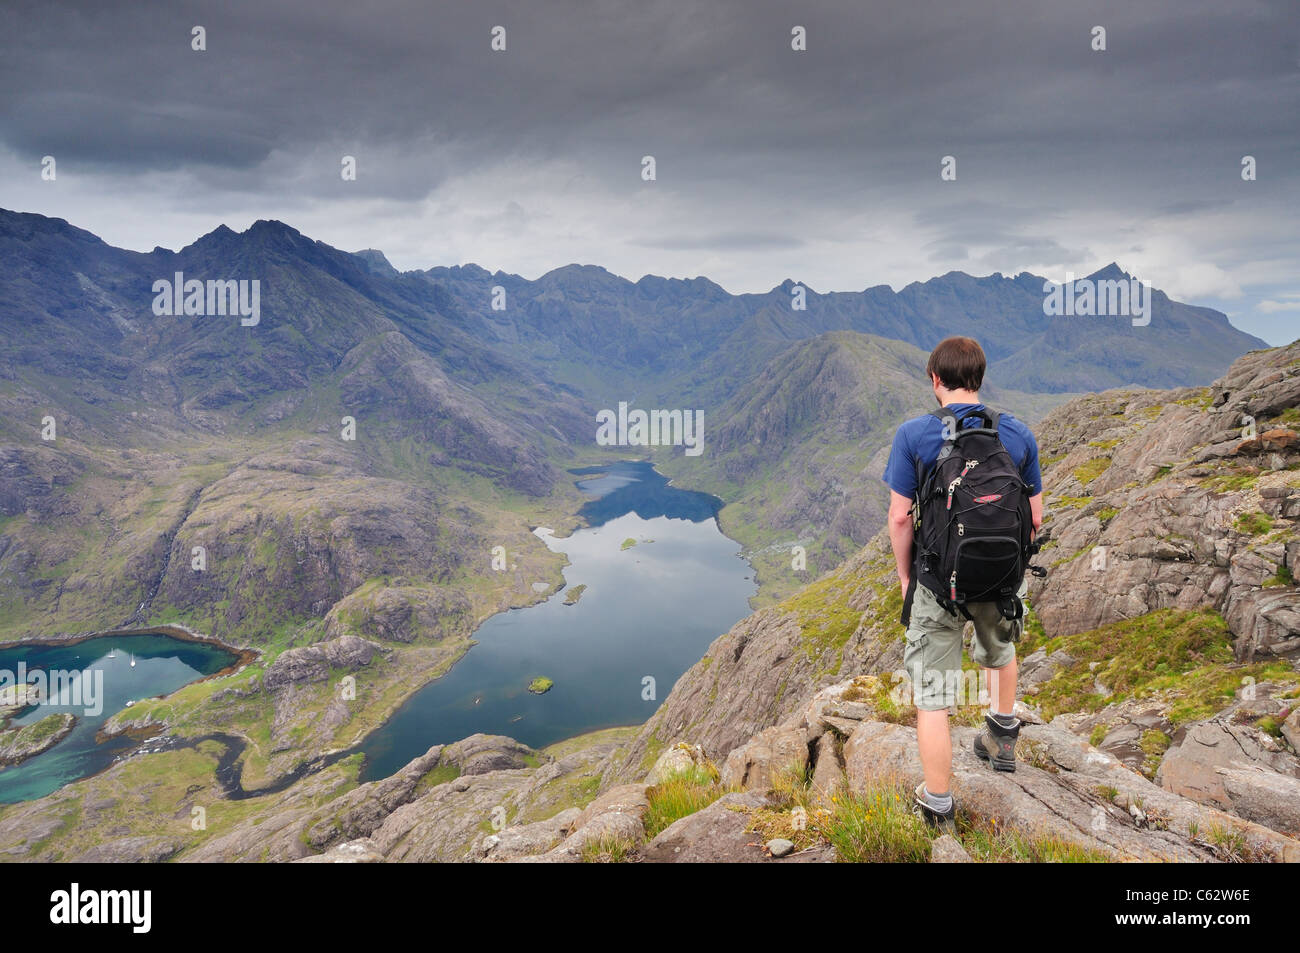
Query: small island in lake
[
  {"x": 574, "y": 594},
  {"x": 540, "y": 685},
  {"x": 19, "y": 744},
  {"x": 628, "y": 543}
]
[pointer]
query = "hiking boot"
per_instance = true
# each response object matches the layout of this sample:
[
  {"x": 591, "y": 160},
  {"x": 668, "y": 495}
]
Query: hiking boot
[
  {"x": 944, "y": 823},
  {"x": 997, "y": 745}
]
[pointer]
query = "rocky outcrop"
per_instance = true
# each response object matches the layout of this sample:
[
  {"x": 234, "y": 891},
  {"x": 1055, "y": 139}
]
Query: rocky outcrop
[
  {"x": 946, "y": 849},
  {"x": 1179, "y": 499},
  {"x": 760, "y": 761},
  {"x": 312, "y": 663},
  {"x": 445, "y": 805},
  {"x": 1233, "y": 764},
  {"x": 618, "y": 814},
  {"x": 1065, "y": 792},
  {"x": 400, "y": 614},
  {"x": 529, "y": 840},
  {"x": 15, "y": 697},
  {"x": 678, "y": 760},
  {"x": 717, "y": 834}
]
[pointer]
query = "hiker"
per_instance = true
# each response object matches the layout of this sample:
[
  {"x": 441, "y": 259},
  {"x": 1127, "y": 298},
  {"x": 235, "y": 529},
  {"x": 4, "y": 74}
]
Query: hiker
[{"x": 966, "y": 501}]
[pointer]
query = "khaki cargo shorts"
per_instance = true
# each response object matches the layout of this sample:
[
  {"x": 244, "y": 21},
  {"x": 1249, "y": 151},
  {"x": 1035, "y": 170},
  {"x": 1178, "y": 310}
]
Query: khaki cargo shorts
[{"x": 934, "y": 642}]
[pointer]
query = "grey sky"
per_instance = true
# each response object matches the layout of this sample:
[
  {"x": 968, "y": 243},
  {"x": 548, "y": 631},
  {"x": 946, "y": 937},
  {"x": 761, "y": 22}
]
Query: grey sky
[{"x": 821, "y": 166}]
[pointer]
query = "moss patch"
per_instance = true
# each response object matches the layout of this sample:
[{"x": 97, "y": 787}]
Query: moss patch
[
  {"x": 1282, "y": 577},
  {"x": 1085, "y": 473},
  {"x": 1231, "y": 482}
]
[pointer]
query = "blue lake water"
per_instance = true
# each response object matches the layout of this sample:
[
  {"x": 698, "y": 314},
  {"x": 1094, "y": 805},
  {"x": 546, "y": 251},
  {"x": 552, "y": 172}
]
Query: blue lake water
[
  {"x": 162, "y": 665},
  {"x": 649, "y": 610}
]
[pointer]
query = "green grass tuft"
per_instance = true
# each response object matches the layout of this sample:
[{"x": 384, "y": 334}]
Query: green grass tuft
[
  {"x": 607, "y": 849},
  {"x": 1254, "y": 524},
  {"x": 680, "y": 796}
]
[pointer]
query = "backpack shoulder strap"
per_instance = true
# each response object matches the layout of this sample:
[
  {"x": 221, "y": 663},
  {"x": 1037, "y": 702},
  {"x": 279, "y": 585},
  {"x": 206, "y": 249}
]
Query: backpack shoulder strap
[
  {"x": 989, "y": 415},
  {"x": 943, "y": 415}
]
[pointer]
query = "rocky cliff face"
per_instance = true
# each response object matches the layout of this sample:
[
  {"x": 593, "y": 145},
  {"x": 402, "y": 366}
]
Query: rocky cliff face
[{"x": 1187, "y": 498}]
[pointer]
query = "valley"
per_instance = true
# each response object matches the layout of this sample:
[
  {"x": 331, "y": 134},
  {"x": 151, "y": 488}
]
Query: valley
[{"x": 201, "y": 477}]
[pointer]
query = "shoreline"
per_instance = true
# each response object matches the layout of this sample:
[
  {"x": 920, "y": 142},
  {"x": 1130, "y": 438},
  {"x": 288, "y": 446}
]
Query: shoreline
[
  {"x": 244, "y": 655},
  {"x": 581, "y": 523}
]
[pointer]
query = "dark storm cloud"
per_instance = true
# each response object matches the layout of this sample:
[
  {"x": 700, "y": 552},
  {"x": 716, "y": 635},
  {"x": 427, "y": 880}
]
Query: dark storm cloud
[
  {"x": 1060, "y": 149},
  {"x": 118, "y": 83}
]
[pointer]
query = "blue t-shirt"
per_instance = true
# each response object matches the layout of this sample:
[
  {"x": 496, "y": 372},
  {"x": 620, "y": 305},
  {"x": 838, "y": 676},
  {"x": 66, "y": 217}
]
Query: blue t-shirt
[{"x": 922, "y": 438}]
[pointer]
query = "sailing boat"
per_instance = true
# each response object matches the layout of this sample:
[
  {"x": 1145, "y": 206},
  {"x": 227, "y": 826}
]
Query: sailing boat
[
  {"x": 133, "y": 661},
  {"x": 112, "y": 653}
]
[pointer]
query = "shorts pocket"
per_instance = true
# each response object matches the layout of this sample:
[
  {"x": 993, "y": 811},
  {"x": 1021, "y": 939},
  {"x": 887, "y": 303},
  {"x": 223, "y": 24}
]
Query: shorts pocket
[{"x": 915, "y": 642}]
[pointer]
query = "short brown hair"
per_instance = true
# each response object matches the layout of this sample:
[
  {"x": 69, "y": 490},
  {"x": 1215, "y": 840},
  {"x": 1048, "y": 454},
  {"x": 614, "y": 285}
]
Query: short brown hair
[{"x": 959, "y": 363}]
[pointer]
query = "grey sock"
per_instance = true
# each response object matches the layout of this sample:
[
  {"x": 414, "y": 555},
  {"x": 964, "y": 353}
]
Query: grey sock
[
  {"x": 942, "y": 803},
  {"x": 1006, "y": 721}
]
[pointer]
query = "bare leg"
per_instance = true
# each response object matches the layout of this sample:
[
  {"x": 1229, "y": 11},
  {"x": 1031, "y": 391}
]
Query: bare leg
[
  {"x": 935, "y": 743},
  {"x": 1002, "y": 687}
]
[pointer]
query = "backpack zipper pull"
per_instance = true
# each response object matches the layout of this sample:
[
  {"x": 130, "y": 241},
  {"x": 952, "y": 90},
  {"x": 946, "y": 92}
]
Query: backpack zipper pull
[
  {"x": 952, "y": 488},
  {"x": 952, "y": 586}
]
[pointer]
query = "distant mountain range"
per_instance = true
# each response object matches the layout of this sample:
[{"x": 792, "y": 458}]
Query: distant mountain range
[
  {"x": 86, "y": 302},
  {"x": 679, "y": 332},
  {"x": 459, "y": 405}
]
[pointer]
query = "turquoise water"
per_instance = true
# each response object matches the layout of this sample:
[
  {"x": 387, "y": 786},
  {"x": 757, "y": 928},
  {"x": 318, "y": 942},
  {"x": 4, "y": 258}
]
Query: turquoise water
[
  {"x": 162, "y": 665},
  {"x": 648, "y": 611}
]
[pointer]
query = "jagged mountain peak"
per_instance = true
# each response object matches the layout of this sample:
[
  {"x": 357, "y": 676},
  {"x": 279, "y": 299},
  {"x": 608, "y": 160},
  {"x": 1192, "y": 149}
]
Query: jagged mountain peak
[
  {"x": 1111, "y": 272},
  {"x": 272, "y": 226},
  {"x": 789, "y": 284},
  {"x": 376, "y": 262}
]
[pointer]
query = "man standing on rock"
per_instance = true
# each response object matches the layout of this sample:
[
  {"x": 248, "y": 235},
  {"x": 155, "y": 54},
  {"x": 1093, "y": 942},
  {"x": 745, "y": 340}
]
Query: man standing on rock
[{"x": 964, "y": 486}]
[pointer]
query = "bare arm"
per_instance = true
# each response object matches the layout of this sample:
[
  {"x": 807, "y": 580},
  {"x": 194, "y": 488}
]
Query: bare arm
[
  {"x": 1035, "y": 512},
  {"x": 900, "y": 536}
]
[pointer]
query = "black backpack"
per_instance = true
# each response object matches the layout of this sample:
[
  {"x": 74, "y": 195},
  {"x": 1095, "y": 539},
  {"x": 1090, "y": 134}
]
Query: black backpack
[{"x": 973, "y": 530}]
